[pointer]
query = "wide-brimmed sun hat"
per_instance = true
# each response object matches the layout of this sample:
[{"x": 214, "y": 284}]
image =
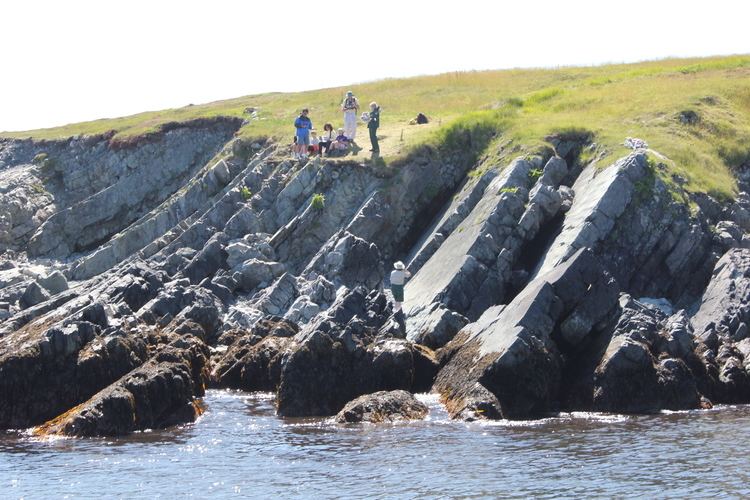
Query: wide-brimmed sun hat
[{"x": 399, "y": 265}]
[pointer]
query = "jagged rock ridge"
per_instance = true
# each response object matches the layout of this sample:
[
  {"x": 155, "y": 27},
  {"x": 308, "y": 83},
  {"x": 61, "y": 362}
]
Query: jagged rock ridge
[{"x": 193, "y": 259}]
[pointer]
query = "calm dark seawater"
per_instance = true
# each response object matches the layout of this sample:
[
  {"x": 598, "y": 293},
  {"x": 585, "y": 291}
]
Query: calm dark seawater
[{"x": 239, "y": 448}]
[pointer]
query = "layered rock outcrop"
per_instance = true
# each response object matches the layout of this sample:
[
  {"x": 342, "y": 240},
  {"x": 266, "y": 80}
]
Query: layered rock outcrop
[
  {"x": 533, "y": 357},
  {"x": 510, "y": 362},
  {"x": 88, "y": 189},
  {"x": 123, "y": 296}
]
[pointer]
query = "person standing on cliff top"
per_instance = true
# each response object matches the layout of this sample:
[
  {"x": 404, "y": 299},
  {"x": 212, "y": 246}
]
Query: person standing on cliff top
[
  {"x": 350, "y": 107},
  {"x": 303, "y": 124},
  {"x": 398, "y": 278},
  {"x": 373, "y": 122}
]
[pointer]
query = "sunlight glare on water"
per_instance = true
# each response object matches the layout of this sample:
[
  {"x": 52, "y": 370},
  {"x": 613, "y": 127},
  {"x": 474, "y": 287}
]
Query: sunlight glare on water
[{"x": 239, "y": 447}]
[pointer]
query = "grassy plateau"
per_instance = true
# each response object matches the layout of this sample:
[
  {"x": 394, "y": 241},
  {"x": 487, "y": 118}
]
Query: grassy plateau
[{"x": 696, "y": 112}]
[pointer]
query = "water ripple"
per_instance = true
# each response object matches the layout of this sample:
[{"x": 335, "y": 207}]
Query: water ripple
[{"x": 240, "y": 448}]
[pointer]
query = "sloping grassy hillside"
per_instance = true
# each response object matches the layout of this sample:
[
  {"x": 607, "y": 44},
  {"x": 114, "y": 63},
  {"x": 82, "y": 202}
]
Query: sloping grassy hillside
[{"x": 644, "y": 100}]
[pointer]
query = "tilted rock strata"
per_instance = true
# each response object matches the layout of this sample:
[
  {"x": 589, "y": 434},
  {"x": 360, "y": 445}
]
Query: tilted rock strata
[
  {"x": 157, "y": 394},
  {"x": 154, "y": 288},
  {"x": 510, "y": 361},
  {"x": 526, "y": 279}
]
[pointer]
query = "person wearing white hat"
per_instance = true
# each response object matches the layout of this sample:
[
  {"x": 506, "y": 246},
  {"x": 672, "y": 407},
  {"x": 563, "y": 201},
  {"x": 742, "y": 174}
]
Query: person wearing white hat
[
  {"x": 350, "y": 107},
  {"x": 398, "y": 278}
]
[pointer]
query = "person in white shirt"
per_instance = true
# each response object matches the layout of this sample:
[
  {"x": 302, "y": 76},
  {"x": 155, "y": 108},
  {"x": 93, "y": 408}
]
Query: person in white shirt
[
  {"x": 329, "y": 135},
  {"x": 398, "y": 278},
  {"x": 314, "y": 147},
  {"x": 350, "y": 107}
]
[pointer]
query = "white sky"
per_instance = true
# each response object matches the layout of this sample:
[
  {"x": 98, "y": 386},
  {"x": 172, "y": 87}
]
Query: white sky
[{"x": 74, "y": 60}]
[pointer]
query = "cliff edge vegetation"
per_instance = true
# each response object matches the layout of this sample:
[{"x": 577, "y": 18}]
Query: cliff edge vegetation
[{"x": 694, "y": 111}]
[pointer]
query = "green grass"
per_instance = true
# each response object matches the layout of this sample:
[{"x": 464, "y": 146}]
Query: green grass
[
  {"x": 519, "y": 108},
  {"x": 535, "y": 174},
  {"x": 318, "y": 201}
]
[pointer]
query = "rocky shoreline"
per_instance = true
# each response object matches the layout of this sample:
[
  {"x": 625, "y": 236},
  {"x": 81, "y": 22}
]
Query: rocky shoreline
[{"x": 134, "y": 276}]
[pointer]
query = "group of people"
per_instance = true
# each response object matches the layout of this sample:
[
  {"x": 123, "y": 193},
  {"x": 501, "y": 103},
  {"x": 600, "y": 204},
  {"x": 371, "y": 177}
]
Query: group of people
[{"x": 307, "y": 141}]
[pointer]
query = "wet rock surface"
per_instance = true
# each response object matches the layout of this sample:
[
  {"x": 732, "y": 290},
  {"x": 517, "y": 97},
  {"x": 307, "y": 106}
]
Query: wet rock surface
[
  {"x": 44, "y": 373},
  {"x": 349, "y": 349},
  {"x": 157, "y": 394},
  {"x": 384, "y": 406},
  {"x": 510, "y": 362},
  {"x": 253, "y": 360},
  {"x": 125, "y": 290}
]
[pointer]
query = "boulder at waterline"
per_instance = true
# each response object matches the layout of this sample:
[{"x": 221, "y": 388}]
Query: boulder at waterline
[{"x": 383, "y": 406}]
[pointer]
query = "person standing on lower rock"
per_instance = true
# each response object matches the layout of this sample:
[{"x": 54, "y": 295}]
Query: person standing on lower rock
[
  {"x": 372, "y": 125},
  {"x": 350, "y": 107},
  {"x": 398, "y": 278}
]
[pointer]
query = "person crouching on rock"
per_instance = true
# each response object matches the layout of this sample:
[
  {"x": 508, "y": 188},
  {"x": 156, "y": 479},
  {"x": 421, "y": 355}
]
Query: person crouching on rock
[
  {"x": 398, "y": 278},
  {"x": 342, "y": 141},
  {"x": 314, "y": 147},
  {"x": 303, "y": 124}
]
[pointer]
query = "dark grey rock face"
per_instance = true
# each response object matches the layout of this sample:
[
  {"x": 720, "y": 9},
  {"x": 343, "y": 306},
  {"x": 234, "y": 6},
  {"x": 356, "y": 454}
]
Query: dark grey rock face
[
  {"x": 157, "y": 394},
  {"x": 349, "y": 350},
  {"x": 679, "y": 362},
  {"x": 44, "y": 373},
  {"x": 223, "y": 271},
  {"x": 495, "y": 247},
  {"x": 627, "y": 358},
  {"x": 252, "y": 362},
  {"x": 509, "y": 363},
  {"x": 33, "y": 295},
  {"x": 725, "y": 307},
  {"x": 718, "y": 325},
  {"x": 92, "y": 188},
  {"x": 645, "y": 366},
  {"x": 383, "y": 406}
]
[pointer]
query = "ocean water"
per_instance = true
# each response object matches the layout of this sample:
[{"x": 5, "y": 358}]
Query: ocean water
[{"x": 240, "y": 448}]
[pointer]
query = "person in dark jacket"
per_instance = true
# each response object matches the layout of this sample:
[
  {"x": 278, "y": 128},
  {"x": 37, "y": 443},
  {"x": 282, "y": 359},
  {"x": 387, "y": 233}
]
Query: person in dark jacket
[{"x": 372, "y": 126}]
